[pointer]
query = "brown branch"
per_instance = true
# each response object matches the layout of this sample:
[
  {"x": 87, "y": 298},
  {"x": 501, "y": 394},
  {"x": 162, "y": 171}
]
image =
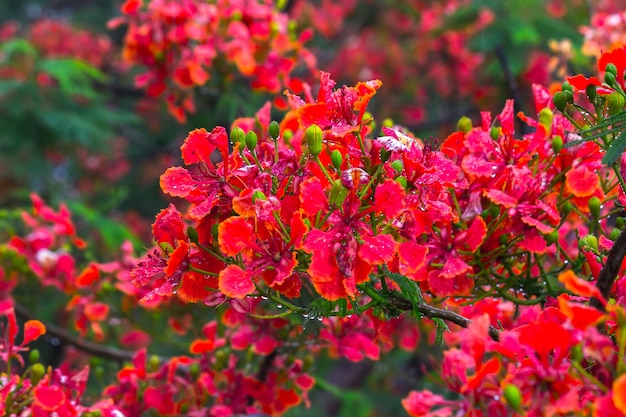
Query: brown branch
[
  {"x": 434, "y": 312},
  {"x": 86, "y": 346},
  {"x": 610, "y": 270}
]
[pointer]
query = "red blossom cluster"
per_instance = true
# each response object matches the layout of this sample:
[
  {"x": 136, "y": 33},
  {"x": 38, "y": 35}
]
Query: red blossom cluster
[{"x": 186, "y": 44}]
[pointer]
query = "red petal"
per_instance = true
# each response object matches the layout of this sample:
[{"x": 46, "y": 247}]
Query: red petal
[
  {"x": 161, "y": 401},
  {"x": 194, "y": 287},
  {"x": 177, "y": 260},
  {"x": 389, "y": 198},
  {"x": 201, "y": 346},
  {"x": 454, "y": 266},
  {"x": 580, "y": 315},
  {"x": 235, "y": 235},
  {"x": 168, "y": 226},
  {"x": 411, "y": 257},
  {"x": 506, "y": 118},
  {"x": 178, "y": 182},
  {"x": 619, "y": 393},
  {"x": 234, "y": 282},
  {"x": 312, "y": 197},
  {"x": 581, "y": 181},
  {"x": 88, "y": 276},
  {"x": 475, "y": 234},
  {"x": 501, "y": 198},
  {"x": 49, "y": 398},
  {"x": 579, "y": 286},
  {"x": 580, "y": 82},
  {"x": 32, "y": 330},
  {"x": 378, "y": 249},
  {"x": 199, "y": 145}
]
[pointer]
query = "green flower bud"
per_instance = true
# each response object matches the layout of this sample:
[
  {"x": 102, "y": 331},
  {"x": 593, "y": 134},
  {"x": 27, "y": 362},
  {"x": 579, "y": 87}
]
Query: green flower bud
[
  {"x": 569, "y": 96},
  {"x": 560, "y": 100},
  {"x": 566, "y": 86},
  {"x": 495, "y": 132},
  {"x": 557, "y": 144},
  {"x": 620, "y": 222},
  {"x": 591, "y": 92},
  {"x": 33, "y": 356},
  {"x": 336, "y": 158},
  {"x": 192, "y": 233},
  {"x": 194, "y": 370},
  {"x": 153, "y": 363},
  {"x": 258, "y": 195},
  {"x": 567, "y": 207},
  {"x": 576, "y": 353},
  {"x": 464, "y": 124},
  {"x": 237, "y": 135},
  {"x": 504, "y": 239},
  {"x": 513, "y": 396},
  {"x": 551, "y": 237},
  {"x": 545, "y": 117},
  {"x": 589, "y": 242},
  {"x": 609, "y": 78},
  {"x": 251, "y": 140},
  {"x": 37, "y": 371},
  {"x": 397, "y": 165},
  {"x": 494, "y": 210},
  {"x": 388, "y": 122},
  {"x": 594, "y": 206},
  {"x": 611, "y": 69},
  {"x": 274, "y": 130},
  {"x": 221, "y": 359},
  {"x": 614, "y": 103},
  {"x": 402, "y": 181},
  {"x": 338, "y": 194},
  {"x": 614, "y": 234},
  {"x": 287, "y": 135},
  {"x": 384, "y": 155},
  {"x": 313, "y": 137}
]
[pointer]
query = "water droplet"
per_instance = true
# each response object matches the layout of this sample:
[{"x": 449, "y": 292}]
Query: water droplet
[
  {"x": 263, "y": 297},
  {"x": 320, "y": 318},
  {"x": 279, "y": 305}
]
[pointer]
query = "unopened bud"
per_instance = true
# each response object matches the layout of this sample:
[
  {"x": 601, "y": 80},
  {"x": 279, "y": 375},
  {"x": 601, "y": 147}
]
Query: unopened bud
[
  {"x": 614, "y": 234},
  {"x": 258, "y": 195},
  {"x": 609, "y": 78},
  {"x": 338, "y": 194},
  {"x": 589, "y": 242},
  {"x": 388, "y": 122},
  {"x": 237, "y": 135},
  {"x": 594, "y": 206},
  {"x": 274, "y": 130},
  {"x": 313, "y": 138},
  {"x": 384, "y": 155},
  {"x": 545, "y": 117},
  {"x": 513, "y": 396},
  {"x": 591, "y": 91},
  {"x": 464, "y": 124},
  {"x": 566, "y": 86},
  {"x": 153, "y": 363},
  {"x": 402, "y": 181},
  {"x": 336, "y": 158},
  {"x": 251, "y": 140},
  {"x": 495, "y": 132},
  {"x": 192, "y": 233},
  {"x": 33, "y": 356},
  {"x": 611, "y": 69},
  {"x": 560, "y": 100},
  {"x": 397, "y": 165},
  {"x": 551, "y": 237},
  {"x": 614, "y": 103},
  {"x": 37, "y": 371},
  {"x": 557, "y": 144}
]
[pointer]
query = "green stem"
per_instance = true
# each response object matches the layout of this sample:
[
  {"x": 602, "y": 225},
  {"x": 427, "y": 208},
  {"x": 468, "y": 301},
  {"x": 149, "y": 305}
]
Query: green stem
[
  {"x": 590, "y": 377},
  {"x": 323, "y": 168},
  {"x": 270, "y": 316}
]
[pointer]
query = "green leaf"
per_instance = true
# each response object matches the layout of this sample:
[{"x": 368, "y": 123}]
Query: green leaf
[
  {"x": 17, "y": 46},
  {"x": 442, "y": 327},
  {"x": 75, "y": 77},
  {"x": 606, "y": 126},
  {"x": 408, "y": 288},
  {"x": 618, "y": 145}
]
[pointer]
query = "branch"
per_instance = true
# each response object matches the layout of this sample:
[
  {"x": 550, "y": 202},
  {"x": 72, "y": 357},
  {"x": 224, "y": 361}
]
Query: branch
[
  {"x": 434, "y": 312},
  {"x": 86, "y": 346},
  {"x": 610, "y": 270}
]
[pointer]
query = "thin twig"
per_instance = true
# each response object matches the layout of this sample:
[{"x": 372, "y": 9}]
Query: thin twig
[
  {"x": 610, "y": 270},
  {"x": 86, "y": 346}
]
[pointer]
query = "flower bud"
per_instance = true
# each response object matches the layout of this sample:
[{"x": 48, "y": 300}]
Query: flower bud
[
  {"x": 589, "y": 242},
  {"x": 591, "y": 92},
  {"x": 274, "y": 130},
  {"x": 33, "y": 356},
  {"x": 551, "y": 237},
  {"x": 338, "y": 194},
  {"x": 557, "y": 144},
  {"x": 576, "y": 353},
  {"x": 611, "y": 69},
  {"x": 384, "y": 155},
  {"x": 560, "y": 100},
  {"x": 153, "y": 363},
  {"x": 37, "y": 371},
  {"x": 545, "y": 117},
  {"x": 566, "y": 86},
  {"x": 567, "y": 207},
  {"x": 402, "y": 181},
  {"x": 620, "y": 222},
  {"x": 513, "y": 396},
  {"x": 594, "y": 206},
  {"x": 313, "y": 138},
  {"x": 258, "y": 195},
  {"x": 388, "y": 122},
  {"x": 464, "y": 124},
  {"x": 397, "y": 165},
  {"x": 237, "y": 135},
  {"x": 495, "y": 132},
  {"x": 609, "y": 78},
  {"x": 336, "y": 158},
  {"x": 194, "y": 370},
  {"x": 192, "y": 233},
  {"x": 614, "y": 103},
  {"x": 614, "y": 234},
  {"x": 251, "y": 140},
  {"x": 287, "y": 135}
]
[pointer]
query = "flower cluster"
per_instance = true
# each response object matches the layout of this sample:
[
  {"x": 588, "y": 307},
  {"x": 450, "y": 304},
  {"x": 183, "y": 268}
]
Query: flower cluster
[{"x": 185, "y": 45}]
